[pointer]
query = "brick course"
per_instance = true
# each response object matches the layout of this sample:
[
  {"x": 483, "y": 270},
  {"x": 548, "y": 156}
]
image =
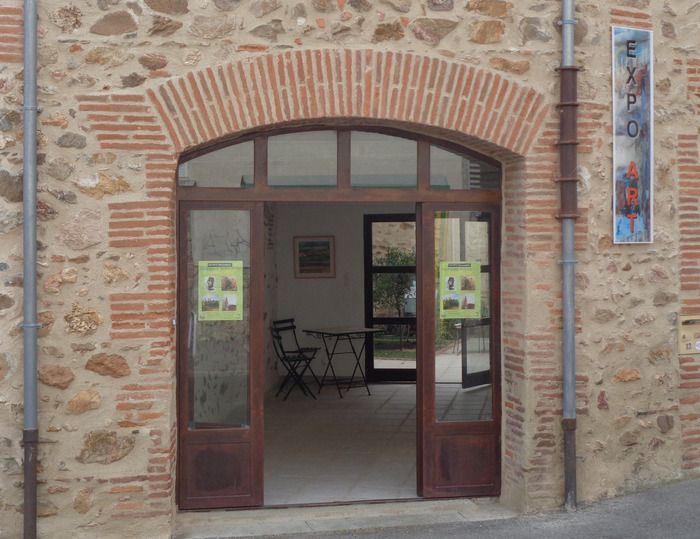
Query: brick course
[{"x": 209, "y": 94}]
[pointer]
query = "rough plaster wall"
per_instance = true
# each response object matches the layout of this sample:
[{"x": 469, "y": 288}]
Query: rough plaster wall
[{"x": 628, "y": 296}]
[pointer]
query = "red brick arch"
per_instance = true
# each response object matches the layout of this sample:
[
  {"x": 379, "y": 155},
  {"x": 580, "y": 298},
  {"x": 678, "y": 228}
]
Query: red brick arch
[
  {"x": 325, "y": 84},
  {"x": 476, "y": 107}
]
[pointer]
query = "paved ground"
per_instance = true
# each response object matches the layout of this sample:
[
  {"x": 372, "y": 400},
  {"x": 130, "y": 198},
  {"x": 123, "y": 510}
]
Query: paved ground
[{"x": 670, "y": 512}]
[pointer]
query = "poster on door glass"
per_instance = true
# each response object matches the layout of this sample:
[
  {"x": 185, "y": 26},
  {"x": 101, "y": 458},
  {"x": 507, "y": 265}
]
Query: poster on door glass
[
  {"x": 460, "y": 290},
  {"x": 220, "y": 290}
]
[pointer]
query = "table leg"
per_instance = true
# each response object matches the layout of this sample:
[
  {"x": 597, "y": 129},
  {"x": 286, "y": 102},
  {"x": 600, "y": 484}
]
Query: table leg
[
  {"x": 329, "y": 356},
  {"x": 357, "y": 364}
]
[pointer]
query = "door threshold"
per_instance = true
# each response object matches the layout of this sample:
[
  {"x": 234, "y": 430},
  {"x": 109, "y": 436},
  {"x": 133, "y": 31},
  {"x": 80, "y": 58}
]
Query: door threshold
[
  {"x": 342, "y": 502},
  {"x": 319, "y": 519}
]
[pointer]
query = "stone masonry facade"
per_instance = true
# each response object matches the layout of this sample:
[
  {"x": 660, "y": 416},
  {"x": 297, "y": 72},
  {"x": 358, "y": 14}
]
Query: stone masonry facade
[{"x": 127, "y": 86}]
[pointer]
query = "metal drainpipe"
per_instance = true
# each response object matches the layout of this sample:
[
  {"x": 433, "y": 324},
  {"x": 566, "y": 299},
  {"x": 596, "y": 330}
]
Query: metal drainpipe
[
  {"x": 568, "y": 179},
  {"x": 30, "y": 435}
]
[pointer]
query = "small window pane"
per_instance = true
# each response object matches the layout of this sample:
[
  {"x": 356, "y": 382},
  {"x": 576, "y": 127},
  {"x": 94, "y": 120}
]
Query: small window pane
[
  {"x": 228, "y": 167},
  {"x": 395, "y": 347},
  {"x": 449, "y": 170},
  {"x": 394, "y": 295},
  {"x": 307, "y": 159},
  {"x": 476, "y": 246},
  {"x": 394, "y": 243},
  {"x": 382, "y": 161}
]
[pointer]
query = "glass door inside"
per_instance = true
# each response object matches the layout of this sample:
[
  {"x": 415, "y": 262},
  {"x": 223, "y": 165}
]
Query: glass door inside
[
  {"x": 390, "y": 296},
  {"x": 458, "y": 377}
]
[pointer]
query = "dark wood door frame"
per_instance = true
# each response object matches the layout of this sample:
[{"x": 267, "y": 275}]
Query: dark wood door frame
[
  {"x": 247, "y": 442},
  {"x": 343, "y": 192},
  {"x": 426, "y": 199},
  {"x": 438, "y": 441}
]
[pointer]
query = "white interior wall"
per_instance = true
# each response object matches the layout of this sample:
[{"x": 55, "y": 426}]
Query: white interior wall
[{"x": 323, "y": 302}]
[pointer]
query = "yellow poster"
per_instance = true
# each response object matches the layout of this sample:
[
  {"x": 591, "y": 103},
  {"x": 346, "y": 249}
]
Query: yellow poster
[
  {"x": 220, "y": 290},
  {"x": 460, "y": 290}
]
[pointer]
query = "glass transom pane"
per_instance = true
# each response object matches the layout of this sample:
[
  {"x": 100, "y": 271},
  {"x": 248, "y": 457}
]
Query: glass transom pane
[
  {"x": 306, "y": 159},
  {"x": 449, "y": 170},
  {"x": 228, "y": 167},
  {"x": 379, "y": 160}
]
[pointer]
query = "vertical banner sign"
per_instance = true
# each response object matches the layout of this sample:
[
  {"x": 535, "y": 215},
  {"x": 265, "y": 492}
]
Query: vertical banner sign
[
  {"x": 460, "y": 290},
  {"x": 220, "y": 290},
  {"x": 633, "y": 137}
]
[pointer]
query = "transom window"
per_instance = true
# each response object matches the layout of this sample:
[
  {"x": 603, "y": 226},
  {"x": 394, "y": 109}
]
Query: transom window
[{"x": 326, "y": 158}]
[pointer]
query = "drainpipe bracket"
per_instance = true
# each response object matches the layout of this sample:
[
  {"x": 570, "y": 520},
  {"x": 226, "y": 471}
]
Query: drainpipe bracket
[
  {"x": 29, "y": 437},
  {"x": 562, "y": 22},
  {"x": 568, "y": 216},
  {"x": 568, "y": 423},
  {"x": 564, "y": 179},
  {"x": 30, "y": 326},
  {"x": 568, "y": 68}
]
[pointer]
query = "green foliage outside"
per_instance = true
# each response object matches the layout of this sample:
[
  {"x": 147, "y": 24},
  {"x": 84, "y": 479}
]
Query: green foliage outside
[{"x": 390, "y": 289}]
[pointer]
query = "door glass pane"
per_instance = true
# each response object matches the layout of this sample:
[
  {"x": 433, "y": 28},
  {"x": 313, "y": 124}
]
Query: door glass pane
[
  {"x": 218, "y": 276},
  {"x": 394, "y": 295},
  {"x": 394, "y": 243},
  {"x": 228, "y": 167},
  {"x": 450, "y": 170},
  {"x": 306, "y": 159},
  {"x": 395, "y": 347},
  {"x": 462, "y": 349},
  {"x": 378, "y": 160}
]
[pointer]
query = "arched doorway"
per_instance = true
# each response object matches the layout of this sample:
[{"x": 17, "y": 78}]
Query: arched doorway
[{"x": 222, "y": 193}]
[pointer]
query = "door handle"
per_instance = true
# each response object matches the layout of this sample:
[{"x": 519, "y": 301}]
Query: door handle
[{"x": 192, "y": 334}]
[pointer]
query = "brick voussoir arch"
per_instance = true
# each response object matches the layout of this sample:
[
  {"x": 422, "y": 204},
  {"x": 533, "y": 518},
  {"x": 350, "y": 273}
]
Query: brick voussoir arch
[{"x": 317, "y": 84}]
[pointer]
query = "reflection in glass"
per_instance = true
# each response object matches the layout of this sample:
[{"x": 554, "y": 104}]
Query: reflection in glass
[
  {"x": 305, "y": 159},
  {"x": 449, "y": 170},
  {"x": 462, "y": 347},
  {"x": 394, "y": 243},
  {"x": 395, "y": 348},
  {"x": 228, "y": 167},
  {"x": 218, "y": 350},
  {"x": 378, "y": 160}
]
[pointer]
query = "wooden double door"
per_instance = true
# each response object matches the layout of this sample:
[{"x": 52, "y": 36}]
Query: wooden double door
[{"x": 221, "y": 352}]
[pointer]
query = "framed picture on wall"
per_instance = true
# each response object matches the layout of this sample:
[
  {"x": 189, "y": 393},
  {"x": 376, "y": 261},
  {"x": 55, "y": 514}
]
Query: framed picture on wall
[{"x": 314, "y": 257}]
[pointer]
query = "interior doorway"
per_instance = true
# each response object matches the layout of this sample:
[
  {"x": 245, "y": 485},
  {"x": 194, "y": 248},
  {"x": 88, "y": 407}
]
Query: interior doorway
[
  {"x": 230, "y": 199},
  {"x": 355, "y": 444}
]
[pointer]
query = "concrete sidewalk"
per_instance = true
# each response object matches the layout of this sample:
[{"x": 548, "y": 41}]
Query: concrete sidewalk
[
  {"x": 325, "y": 521},
  {"x": 668, "y": 512}
]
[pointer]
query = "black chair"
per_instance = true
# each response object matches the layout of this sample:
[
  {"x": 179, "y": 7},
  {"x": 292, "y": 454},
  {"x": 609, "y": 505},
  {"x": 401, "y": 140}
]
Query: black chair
[{"x": 295, "y": 358}]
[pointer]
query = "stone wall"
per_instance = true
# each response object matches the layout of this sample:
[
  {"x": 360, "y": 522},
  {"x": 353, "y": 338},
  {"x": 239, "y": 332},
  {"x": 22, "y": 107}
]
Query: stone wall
[{"x": 126, "y": 86}]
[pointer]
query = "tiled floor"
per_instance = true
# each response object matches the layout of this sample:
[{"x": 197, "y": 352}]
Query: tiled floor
[{"x": 360, "y": 447}]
